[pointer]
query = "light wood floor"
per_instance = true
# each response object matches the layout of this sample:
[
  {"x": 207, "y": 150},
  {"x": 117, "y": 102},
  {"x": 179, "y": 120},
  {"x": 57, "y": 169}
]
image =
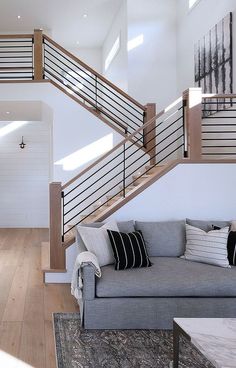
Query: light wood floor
[{"x": 26, "y": 304}]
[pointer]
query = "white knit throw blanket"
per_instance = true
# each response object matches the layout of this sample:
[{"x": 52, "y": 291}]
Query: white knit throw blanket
[{"x": 84, "y": 258}]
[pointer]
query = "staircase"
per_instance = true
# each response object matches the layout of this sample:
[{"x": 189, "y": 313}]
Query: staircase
[{"x": 195, "y": 128}]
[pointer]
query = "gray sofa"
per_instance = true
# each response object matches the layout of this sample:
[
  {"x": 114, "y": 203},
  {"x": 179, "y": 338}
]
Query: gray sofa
[{"x": 149, "y": 298}]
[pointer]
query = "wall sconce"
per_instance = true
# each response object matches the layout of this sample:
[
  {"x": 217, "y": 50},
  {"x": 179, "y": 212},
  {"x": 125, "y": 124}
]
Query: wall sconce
[{"x": 22, "y": 144}]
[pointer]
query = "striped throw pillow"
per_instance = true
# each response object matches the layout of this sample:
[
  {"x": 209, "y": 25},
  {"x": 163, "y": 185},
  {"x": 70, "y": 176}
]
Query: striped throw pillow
[
  {"x": 207, "y": 247},
  {"x": 129, "y": 250}
]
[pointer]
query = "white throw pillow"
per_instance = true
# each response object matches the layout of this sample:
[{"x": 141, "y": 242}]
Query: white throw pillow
[
  {"x": 207, "y": 247},
  {"x": 97, "y": 241}
]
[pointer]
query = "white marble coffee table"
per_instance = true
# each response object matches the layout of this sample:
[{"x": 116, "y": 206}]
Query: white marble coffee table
[{"x": 215, "y": 338}]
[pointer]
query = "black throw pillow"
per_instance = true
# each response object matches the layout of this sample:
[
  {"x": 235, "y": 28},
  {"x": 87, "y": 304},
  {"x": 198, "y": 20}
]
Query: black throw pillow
[
  {"x": 231, "y": 246},
  {"x": 129, "y": 250}
]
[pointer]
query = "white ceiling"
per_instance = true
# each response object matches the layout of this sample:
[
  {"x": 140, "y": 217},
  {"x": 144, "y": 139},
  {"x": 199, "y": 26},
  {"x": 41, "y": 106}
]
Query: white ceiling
[{"x": 62, "y": 19}]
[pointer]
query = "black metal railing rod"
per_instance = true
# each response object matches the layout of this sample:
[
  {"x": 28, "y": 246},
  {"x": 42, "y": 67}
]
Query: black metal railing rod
[
  {"x": 89, "y": 177},
  {"x": 16, "y": 41},
  {"x": 89, "y": 96},
  {"x": 84, "y": 190},
  {"x": 221, "y": 124},
  {"x": 75, "y": 206},
  {"x": 15, "y": 62},
  {"x": 104, "y": 204},
  {"x": 219, "y": 117},
  {"x": 159, "y": 142},
  {"x": 16, "y": 77},
  {"x": 15, "y": 51},
  {"x": 95, "y": 81},
  {"x": 107, "y": 163},
  {"x": 220, "y": 131},
  {"x": 15, "y": 47},
  {"x": 225, "y": 110},
  {"x": 219, "y": 154},
  {"x": 97, "y": 199},
  {"x": 172, "y": 114},
  {"x": 16, "y": 57},
  {"x": 134, "y": 143},
  {"x": 220, "y": 102},
  {"x": 15, "y": 72},
  {"x": 90, "y": 75},
  {"x": 113, "y": 168},
  {"x": 219, "y": 146},
  {"x": 218, "y": 139},
  {"x": 87, "y": 100},
  {"x": 88, "y": 196},
  {"x": 176, "y": 149},
  {"x": 150, "y": 157}
]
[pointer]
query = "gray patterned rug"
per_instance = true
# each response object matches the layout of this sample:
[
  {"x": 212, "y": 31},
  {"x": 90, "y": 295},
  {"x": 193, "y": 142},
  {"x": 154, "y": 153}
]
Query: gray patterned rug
[{"x": 79, "y": 348}]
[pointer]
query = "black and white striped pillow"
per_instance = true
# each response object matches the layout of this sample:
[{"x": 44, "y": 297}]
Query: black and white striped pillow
[{"x": 129, "y": 250}]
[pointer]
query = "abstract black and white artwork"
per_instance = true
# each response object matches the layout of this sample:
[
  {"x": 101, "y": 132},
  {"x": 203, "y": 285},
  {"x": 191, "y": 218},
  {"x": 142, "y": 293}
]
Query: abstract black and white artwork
[{"x": 213, "y": 59}]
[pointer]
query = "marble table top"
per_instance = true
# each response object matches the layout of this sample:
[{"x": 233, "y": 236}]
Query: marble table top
[{"x": 215, "y": 338}]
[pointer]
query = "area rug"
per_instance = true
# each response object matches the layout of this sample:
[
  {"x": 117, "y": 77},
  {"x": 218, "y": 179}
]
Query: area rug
[{"x": 79, "y": 348}]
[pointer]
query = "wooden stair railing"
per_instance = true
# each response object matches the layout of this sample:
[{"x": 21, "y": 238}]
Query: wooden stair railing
[
  {"x": 116, "y": 177},
  {"x": 37, "y": 57}
]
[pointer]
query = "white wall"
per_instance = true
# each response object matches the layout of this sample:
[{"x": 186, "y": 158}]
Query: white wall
[
  {"x": 24, "y": 176},
  {"x": 117, "y": 71},
  {"x": 152, "y": 65},
  {"x": 74, "y": 127},
  {"x": 192, "y": 26},
  {"x": 92, "y": 57},
  {"x": 200, "y": 191}
]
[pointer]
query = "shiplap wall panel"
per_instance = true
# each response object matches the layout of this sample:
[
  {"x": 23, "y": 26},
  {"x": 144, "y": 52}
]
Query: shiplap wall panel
[{"x": 24, "y": 176}]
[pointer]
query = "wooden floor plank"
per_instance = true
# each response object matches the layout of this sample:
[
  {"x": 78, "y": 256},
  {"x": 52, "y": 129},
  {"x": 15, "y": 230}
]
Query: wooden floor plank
[
  {"x": 26, "y": 304},
  {"x": 50, "y": 345},
  {"x": 10, "y": 335}
]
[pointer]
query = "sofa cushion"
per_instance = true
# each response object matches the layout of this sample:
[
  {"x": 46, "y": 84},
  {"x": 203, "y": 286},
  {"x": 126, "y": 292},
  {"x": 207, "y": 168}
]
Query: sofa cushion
[
  {"x": 207, "y": 246},
  {"x": 123, "y": 226},
  {"x": 129, "y": 250},
  {"x": 207, "y": 225},
  {"x": 170, "y": 277},
  {"x": 97, "y": 241},
  {"x": 163, "y": 239}
]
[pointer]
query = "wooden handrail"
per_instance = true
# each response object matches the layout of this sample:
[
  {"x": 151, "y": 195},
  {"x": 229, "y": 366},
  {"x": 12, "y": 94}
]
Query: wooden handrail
[
  {"x": 6, "y": 36},
  {"x": 101, "y": 77},
  {"x": 128, "y": 139}
]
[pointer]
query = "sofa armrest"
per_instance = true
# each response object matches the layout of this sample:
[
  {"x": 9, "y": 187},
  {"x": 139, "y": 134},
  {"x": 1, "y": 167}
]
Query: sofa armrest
[{"x": 88, "y": 282}]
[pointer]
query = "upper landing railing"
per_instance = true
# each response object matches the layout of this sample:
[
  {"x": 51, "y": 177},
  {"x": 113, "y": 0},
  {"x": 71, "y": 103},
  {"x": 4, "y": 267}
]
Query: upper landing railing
[{"x": 36, "y": 57}]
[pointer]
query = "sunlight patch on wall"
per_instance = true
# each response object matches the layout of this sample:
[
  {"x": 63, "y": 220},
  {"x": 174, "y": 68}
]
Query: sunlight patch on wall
[
  {"x": 191, "y": 3},
  {"x": 11, "y": 127},
  {"x": 114, "y": 50},
  {"x": 86, "y": 154},
  {"x": 135, "y": 42}
]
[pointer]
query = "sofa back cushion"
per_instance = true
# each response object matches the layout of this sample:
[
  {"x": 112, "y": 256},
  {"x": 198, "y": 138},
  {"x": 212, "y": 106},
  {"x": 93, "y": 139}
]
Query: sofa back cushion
[
  {"x": 163, "y": 239},
  {"x": 207, "y": 225}
]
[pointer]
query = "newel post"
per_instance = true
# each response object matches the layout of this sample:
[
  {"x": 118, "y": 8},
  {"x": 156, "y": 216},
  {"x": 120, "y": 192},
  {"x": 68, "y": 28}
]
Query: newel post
[
  {"x": 149, "y": 133},
  {"x": 57, "y": 253},
  {"x": 192, "y": 99},
  {"x": 38, "y": 54}
]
